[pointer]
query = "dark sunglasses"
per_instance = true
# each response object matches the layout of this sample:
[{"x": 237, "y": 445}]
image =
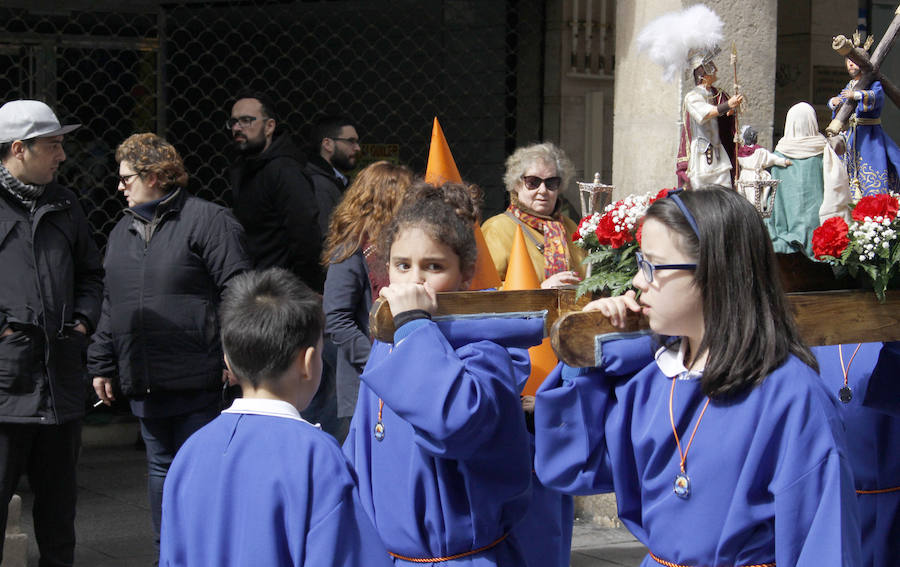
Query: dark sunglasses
[{"x": 534, "y": 182}]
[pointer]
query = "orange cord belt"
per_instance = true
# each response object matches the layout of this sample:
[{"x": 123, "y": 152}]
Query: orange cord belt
[
  {"x": 449, "y": 557},
  {"x": 670, "y": 564},
  {"x": 879, "y": 491}
]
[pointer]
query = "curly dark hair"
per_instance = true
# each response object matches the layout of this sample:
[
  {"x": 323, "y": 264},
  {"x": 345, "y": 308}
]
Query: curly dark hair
[
  {"x": 149, "y": 153},
  {"x": 446, "y": 213}
]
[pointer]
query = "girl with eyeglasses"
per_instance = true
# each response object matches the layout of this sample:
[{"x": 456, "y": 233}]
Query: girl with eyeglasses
[
  {"x": 714, "y": 430},
  {"x": 535, "y": 177}
]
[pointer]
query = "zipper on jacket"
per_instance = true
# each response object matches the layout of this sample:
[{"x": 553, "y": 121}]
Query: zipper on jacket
[
  {"x": 35, "y": 217},
  {"x": 156, "y": 222}
]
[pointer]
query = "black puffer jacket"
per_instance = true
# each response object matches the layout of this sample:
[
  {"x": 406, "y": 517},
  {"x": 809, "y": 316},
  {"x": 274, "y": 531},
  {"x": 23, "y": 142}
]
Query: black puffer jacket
[
  {"x": 159, "y": 330},
  {"x": 275, "y": 203},
  {"x": 328, "y": 188},
  {"x": 50, "y": 275}
]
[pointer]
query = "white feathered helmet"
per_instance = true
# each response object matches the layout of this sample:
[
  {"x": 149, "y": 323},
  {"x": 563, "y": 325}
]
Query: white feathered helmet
[{"x": 683, "y": 40}]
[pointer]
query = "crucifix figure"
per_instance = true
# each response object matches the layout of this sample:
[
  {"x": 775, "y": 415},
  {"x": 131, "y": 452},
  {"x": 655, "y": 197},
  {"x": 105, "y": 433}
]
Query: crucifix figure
[{"x": 872, "y": 158}]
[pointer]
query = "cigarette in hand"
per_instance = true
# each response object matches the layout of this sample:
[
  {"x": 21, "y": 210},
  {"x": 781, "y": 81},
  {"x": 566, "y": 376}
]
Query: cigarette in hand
[{"x": 98, "y": 404}]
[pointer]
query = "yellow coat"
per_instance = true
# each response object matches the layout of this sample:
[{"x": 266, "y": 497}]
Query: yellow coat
[{"x": 500, "y": 230}]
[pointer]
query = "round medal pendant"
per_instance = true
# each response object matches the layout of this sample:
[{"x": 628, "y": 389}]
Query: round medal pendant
[
  {"x": 379, "y": 431},
  {"x": 682, "y": 485},
  {"x": 846, "y": 394}
]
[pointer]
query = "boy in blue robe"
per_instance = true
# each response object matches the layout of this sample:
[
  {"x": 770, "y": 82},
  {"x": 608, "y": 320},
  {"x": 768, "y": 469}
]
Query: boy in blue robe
[
  {"x": 869, "y": 406},
  {"x": 259, "y": 485}
]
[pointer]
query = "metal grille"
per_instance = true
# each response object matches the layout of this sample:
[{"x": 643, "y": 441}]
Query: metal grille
[{"x": 175, "y": 68}]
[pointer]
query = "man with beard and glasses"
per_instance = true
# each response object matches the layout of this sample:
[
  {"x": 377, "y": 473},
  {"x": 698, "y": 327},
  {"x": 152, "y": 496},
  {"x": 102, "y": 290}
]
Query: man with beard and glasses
[
  {"x": 273, "y": 198},
  {"x": 334, "y": 149}
]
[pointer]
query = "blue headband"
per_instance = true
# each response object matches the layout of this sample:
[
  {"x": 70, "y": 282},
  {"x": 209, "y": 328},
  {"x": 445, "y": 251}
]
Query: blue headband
[{"x": 673, "y": 194}]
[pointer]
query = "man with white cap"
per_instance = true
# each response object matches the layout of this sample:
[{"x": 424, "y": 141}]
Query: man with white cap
[{"x": 51, "y": 283}]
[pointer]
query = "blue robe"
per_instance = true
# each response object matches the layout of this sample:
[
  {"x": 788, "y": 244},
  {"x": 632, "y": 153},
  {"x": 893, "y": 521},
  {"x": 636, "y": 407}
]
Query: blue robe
[
  {"x": 453, "y": 471},
  {"x": 264, "y": 489},
  {"x": 872, "y": 158},
  {"x": 873, "y": 441},
  {"x": 768, "y": 471},
  {"x": 545, "y": 533}
]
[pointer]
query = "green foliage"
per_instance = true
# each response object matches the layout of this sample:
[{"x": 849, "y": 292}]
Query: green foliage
[{"x": 611, "y": 270}]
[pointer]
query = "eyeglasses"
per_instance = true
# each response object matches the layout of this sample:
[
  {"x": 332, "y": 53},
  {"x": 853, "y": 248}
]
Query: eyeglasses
[
  {"x": 351, "y": 141},
  {"x": 534, "y": 182},
  {"x": 244, "y": 121},
  {"x": 123, "y": 179},
  {"x": 647, "y": 268}
]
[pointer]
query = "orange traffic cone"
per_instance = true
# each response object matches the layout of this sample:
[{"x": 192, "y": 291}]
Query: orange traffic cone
[
  {"x": 520, "y": 272},
  {"x": 442, "y": 169},
  {"x": 520, "y": 275},
  {"x": 486, "y": 276}
]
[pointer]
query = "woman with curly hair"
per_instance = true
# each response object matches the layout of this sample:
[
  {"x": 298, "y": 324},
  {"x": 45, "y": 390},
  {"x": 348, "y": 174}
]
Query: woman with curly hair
[
  {"x": 167, "y": 263},
  {"x": 535, "y": 176},
  {"x": 355, "y": 272}
]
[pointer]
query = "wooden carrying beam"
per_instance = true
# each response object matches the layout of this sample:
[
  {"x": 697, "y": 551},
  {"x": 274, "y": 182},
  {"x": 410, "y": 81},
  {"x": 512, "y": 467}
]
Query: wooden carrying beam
[
  {"x": 554, "y": 301},
  {"x": 824, "y": 318}
]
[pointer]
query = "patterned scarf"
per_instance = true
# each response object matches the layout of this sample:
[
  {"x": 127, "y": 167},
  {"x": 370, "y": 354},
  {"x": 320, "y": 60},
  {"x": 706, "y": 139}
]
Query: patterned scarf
[
  {"x": 26, "y": 194},
  {"x": 554, "y": 232}
]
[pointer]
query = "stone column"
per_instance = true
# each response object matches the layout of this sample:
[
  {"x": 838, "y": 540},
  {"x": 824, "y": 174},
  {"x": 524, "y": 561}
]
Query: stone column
[
  {"x": 648, "y": 109},
  {"x": 15, "y": 549}
]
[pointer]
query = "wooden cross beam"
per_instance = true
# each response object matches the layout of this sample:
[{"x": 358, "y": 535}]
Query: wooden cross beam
[
  {"x": 843, "y": 46},
  {"x": 555, "y": 302},
  {"x": 824, "y": 318}
]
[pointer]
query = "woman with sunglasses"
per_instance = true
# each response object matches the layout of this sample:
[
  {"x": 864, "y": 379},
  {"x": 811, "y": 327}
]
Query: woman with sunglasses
[
  {"x": 535, "y": 176},
  {"x": 167, "y": 263},
  {"x": 715, "y": 431}
]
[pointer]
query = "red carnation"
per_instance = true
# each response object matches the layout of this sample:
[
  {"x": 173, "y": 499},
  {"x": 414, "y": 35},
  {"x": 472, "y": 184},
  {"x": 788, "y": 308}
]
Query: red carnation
[
  {"x": 607, "y": 233},
  {"x": 830, "y": 239},
  {"x": 662, "y": 194},
  {"x": 882, "y": 205}
]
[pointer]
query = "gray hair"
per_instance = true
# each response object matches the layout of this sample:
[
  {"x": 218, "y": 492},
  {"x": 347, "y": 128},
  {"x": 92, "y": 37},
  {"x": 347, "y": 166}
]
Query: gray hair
[{"x": 547, "y": 153}]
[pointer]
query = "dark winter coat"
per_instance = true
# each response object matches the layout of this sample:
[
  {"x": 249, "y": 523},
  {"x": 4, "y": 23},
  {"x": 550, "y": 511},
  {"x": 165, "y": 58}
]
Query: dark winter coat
[
  {"x": 50, "y": 275},
  {"x": 159, "y": 330},
  {"x": 274, "y": 201},
  {"x": 327, "y": 187},
  {"x": 347, "y": 300}
]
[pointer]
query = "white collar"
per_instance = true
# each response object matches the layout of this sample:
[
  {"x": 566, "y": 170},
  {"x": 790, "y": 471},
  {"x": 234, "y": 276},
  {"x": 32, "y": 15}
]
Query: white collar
[
  {"x": 671, "y": 362},
  {"x": 261, "y": 406}
]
